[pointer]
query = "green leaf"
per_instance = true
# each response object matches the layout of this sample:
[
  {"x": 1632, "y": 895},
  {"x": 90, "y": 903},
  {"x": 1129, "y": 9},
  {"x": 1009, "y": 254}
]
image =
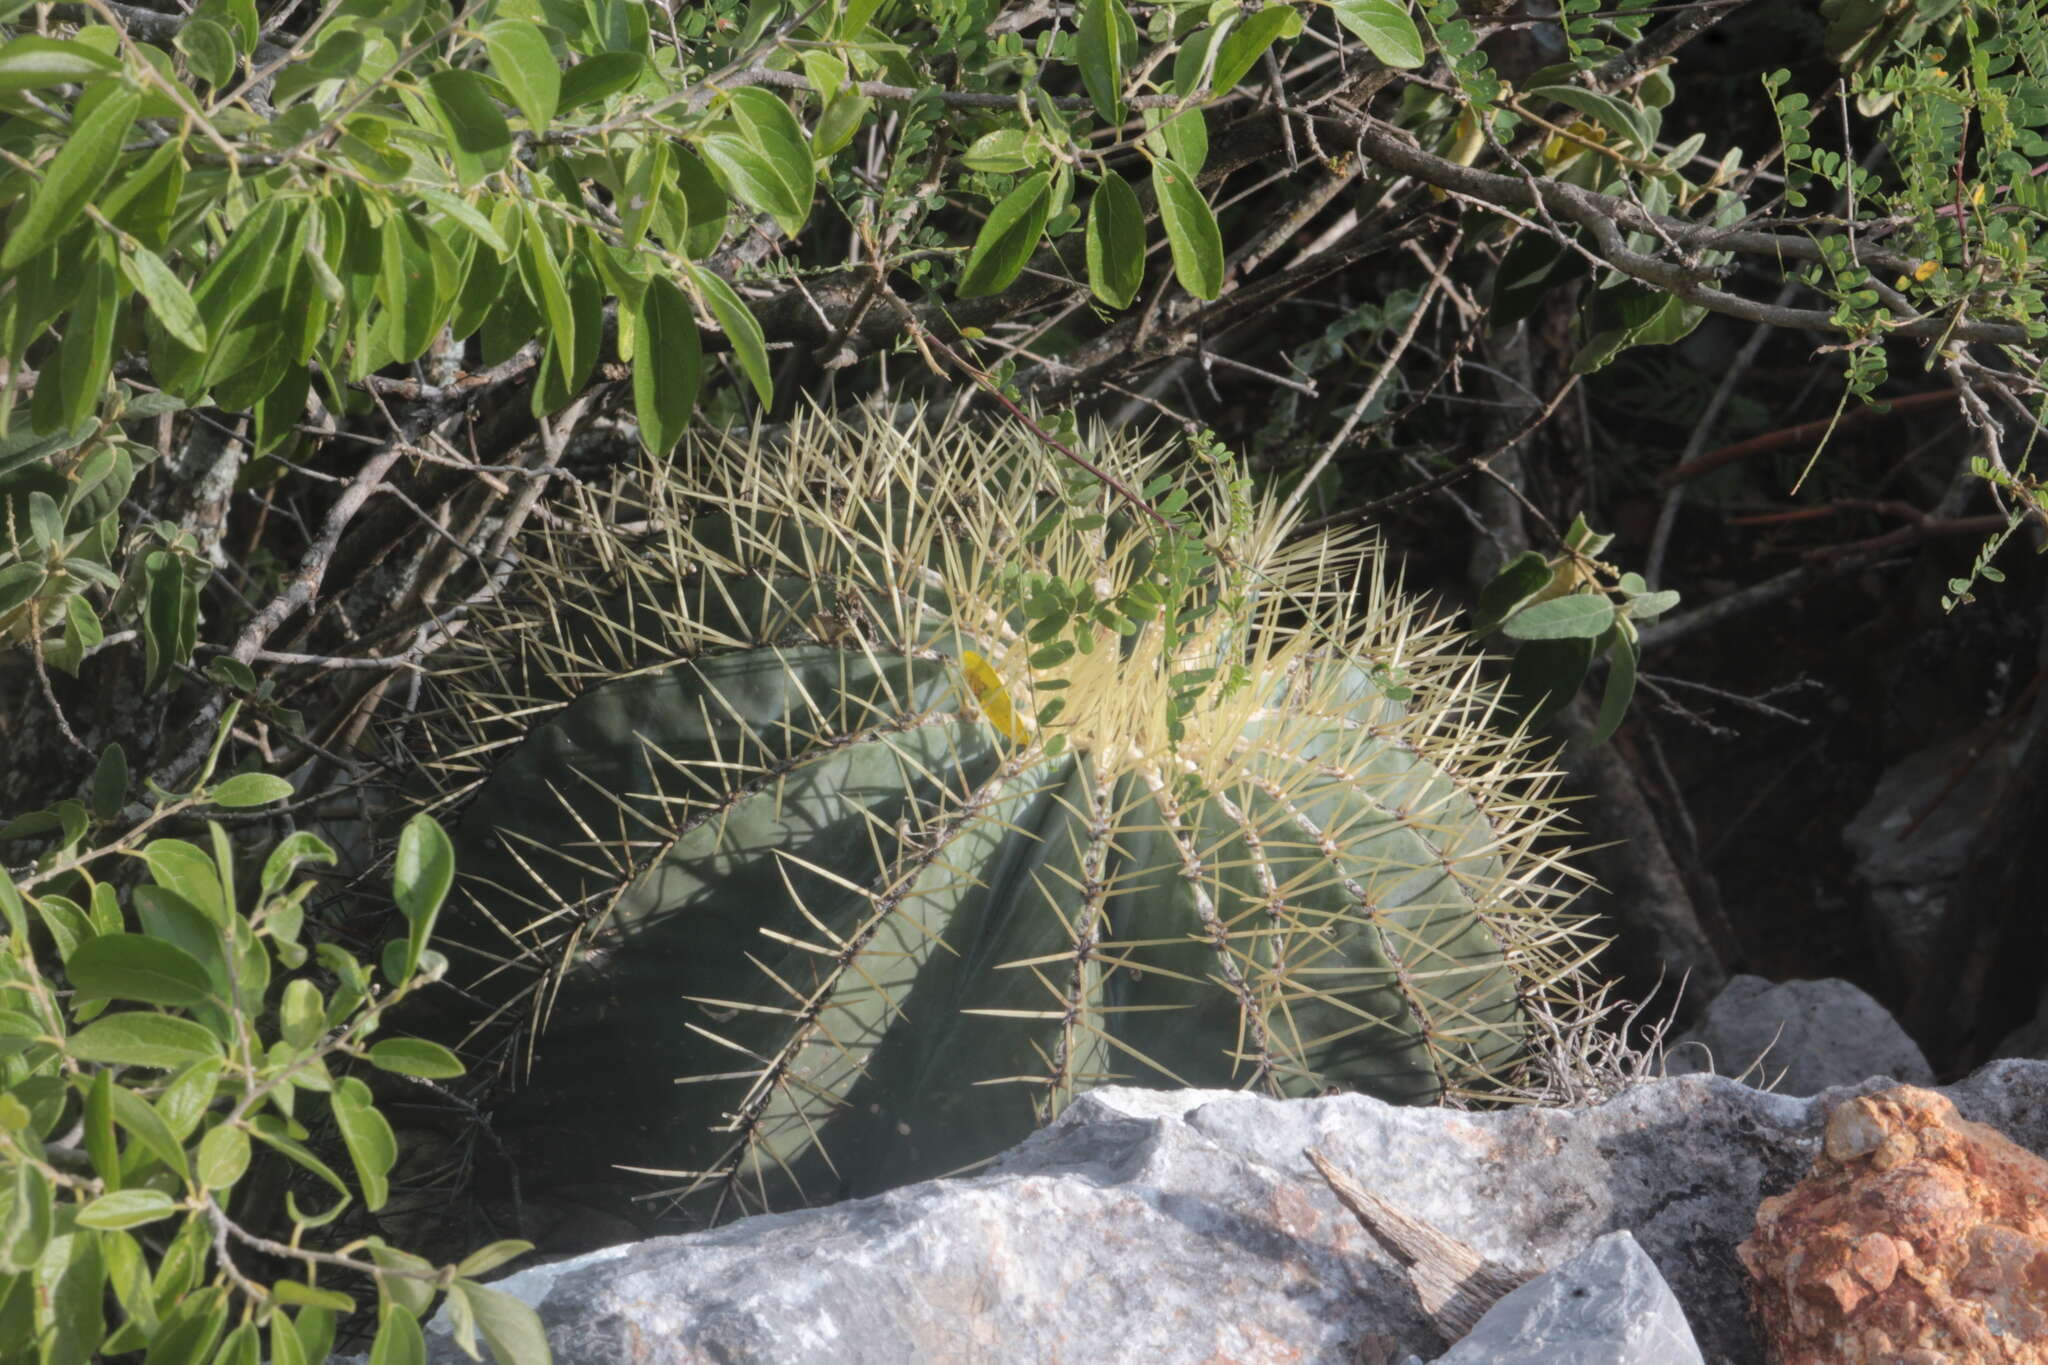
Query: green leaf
[
  {"x": 87, "y": 353},
  {"x": 137, "y": 967},
  {"x": 398, "y": 1339},
  {"x": 1246, "y": 43},
  {"x": 522, "y": 59},
  {"x": 101, "y": 1145},
  {"x": 31, "y": 62},
  {"x": 463, "y": 212},
  {"x": 147, "y": 1127},
  {"x": 1008, "y": 238},
  {"x": 127, "y": 1209},
  {"x": 191, "y": 873},
  {"x": 26, "y": 1218},
  {"x": 511, "y": 1328},
  {"x": 840, "y": 119},
  {"x": 752, "y": 179},
  {"x": 170, "y": 616},
  {"x": 71, "y": 179},
  {"x": 1580, "y": 615},
  {"x": 1116, "y": 242},
  {"x": 12, "y": 908},
  {"x": 699, "y": 204},
  {"x": 1584, "y": 539},
  {"x": 766, "y": 121},
  {"x": 647, "y": 172},
  {"x": 543, "y": 276},
  {"x": 667, "y": 365},
  {"x": 474, "y": 121},
  {"x": 154, "y": 1040},
  {"x": 407, "y": 285},
  {"x": 285, "y": 1346},
  {"x": 741, "y": 328},
  {"x": 598, "y": 78},
  {"x": 1621, "y": 685},
  {"x": 186, "y": 1099},
  {"x": 249, "y": 789},
  {"x": 272, "y": 1131},
  {"x": 306, "y": 1296},
  {"x": 1099, "y": 46},
  {"x": 191, "y": 1323},
  {"x": 223, "y": 1156},
  {"x": 128, "y": 1276},
  {"x": 1650, "y": 605},
  {"x": 301, "y": 1014},
  {"x": 1547, "y": 674},
  {"x": 1191, "y": 231},
  {"x": 168, "y": 298},
  {"x": 292, "y": 850},
  {"x": 416, "y": 1057},
  {"x": 209, "y": 51},
  {"x": 1527, "y": 574},
  {"x": 410, "y": 1291},
  {"x": 420, "y": 877},
  {"x": 70, "y": 1290},
  {"x": 242, "y": 1346},
  {"x": 1182, "y": 137},
  {"x": 1614, "y": 115},
  {"x": 368, "y": 1137},
  {"x": 485, "y": 1259},
  {"x": 1000, "y": 152},
  {"x": 1385, "y": 29}
]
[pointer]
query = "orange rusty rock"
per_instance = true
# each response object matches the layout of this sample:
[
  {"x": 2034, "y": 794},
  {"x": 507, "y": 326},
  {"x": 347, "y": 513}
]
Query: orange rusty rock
[{"x": 1920, "y": 1238}]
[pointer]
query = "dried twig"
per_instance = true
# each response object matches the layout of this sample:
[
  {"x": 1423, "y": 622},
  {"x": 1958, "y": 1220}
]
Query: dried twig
[{"x": 1455, "y": 1283}]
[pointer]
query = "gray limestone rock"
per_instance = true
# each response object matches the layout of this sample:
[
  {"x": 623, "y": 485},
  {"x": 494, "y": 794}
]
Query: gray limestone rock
[
  {"x": 1187, "y": 1226},
  {"x": 1607, "y": 1305},
  {"x": 1802, "y": 1035}
]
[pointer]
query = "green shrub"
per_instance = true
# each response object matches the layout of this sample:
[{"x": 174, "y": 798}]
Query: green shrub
[{"x": 158, "y": 1039}]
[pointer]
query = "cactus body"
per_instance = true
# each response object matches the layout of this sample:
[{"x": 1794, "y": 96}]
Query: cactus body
[{"x": 777, "y": 878}]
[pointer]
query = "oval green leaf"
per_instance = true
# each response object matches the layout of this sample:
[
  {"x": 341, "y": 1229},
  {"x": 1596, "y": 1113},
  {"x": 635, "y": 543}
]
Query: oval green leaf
[
  {"x": 127, "y": 1209},
  {"x": 1100, "y": 50},
  {"x": 71, "y": 179},
  {"x": 751, "y": 178},
  {"x": 767, "y": 123},
  {"x": 1621, "y": 686},
  {"x": 1116, "y": 242},
  {"x": 524, "y": 62},
  {"x": 474, "y": 120},
  {"x": 420, "y": 877},
  {"x": 250, "y": 789},
  {"x": 137, "y": 967},
  {"x": 31, "y": 62},
  {"x": 368, "y": 1137},
  {"x": 598, "y": 78},
  {"x": 1246, "y": 43},
  {"x": 667, "y": 363},
  {"x": 1385, "y": 29},
  {"x": 415, "y": 1057},
  {"x": 741, "y": 328},
  {"x": 168, "y": 297},
  {"x": 156, "y": 1040},
  {"x": 1007, "y": 239},
  {"x": 1191, "y": 232},
  {"x": 223, "y": 1156},
  {"x": 1000, "y": 152},
  {"x": 1580, "y": 616},
  {"x": 1525, "y": 575}
]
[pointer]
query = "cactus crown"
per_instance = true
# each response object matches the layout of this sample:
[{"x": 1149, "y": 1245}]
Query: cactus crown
[{"x": 904, "y": 762}]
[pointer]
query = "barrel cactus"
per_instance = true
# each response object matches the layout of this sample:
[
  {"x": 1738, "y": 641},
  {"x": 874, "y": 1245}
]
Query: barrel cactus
[{"x": 837, "y": 806}]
